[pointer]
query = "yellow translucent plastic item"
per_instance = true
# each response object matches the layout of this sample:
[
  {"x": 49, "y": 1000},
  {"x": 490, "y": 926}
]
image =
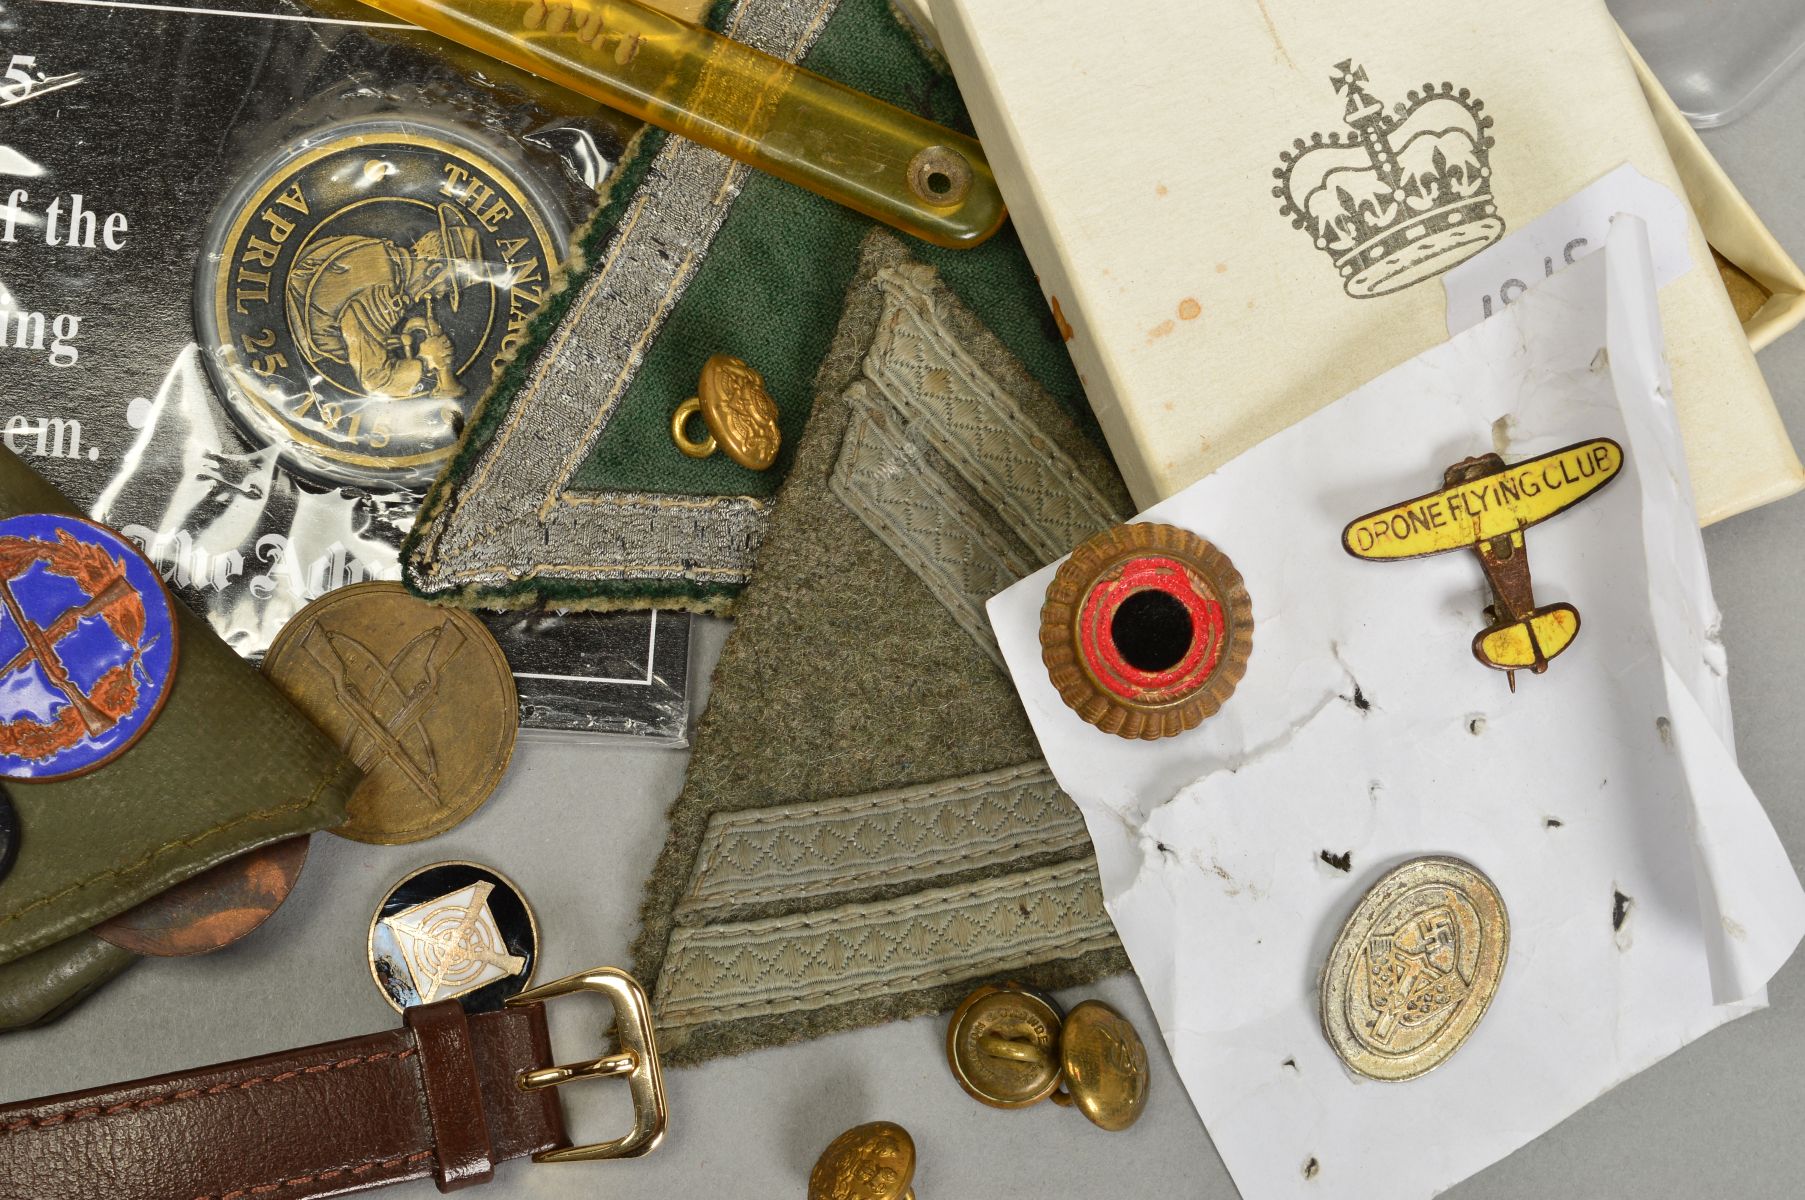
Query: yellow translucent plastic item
[{"x": 891, "y": 165}]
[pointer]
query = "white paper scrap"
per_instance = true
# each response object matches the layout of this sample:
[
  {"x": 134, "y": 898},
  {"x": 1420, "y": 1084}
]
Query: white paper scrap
[
  {"x": 1562, "y": 236},
  {"x": 1649, "y": 897}
]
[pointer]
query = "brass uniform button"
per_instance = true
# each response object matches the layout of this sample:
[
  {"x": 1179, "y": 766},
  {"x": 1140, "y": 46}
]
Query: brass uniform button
[
  {"x": 453, "y": 930},
  {"x": 740, "y": 415},
  {"x": 1146, "y": 630},
  {"x": 875, "y": 1161},
  {"x": 1105, "y": 1066},
  {"x": 213, "y": 909},
  {"x": 1009, "y": 1047},
  {"x": 419, "y": 696},
  {"x": 1003, "y": 1046},
  {"x": 1414, "y": 968}
]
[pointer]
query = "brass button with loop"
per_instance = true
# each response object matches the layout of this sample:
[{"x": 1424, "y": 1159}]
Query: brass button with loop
[
  {"x": 1003, "y": 1046},
  {"x": 874, "y": 1161},
  {"x": 1009, "y": 1047},
  {"x": 740, "y": 415}
]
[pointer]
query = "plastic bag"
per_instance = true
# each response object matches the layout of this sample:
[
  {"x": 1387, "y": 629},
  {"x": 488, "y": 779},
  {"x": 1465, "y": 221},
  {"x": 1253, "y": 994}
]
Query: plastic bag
[{"x": 256, "y": 269}]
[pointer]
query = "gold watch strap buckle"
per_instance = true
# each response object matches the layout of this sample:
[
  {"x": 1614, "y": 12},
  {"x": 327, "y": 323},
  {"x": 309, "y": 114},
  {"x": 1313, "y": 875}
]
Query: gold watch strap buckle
[{"x": 635, "y": 1057}]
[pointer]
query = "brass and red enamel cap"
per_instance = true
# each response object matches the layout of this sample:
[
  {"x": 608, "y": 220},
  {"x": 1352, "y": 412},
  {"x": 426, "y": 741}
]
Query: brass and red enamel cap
[{"x": 1146, "y": 630}]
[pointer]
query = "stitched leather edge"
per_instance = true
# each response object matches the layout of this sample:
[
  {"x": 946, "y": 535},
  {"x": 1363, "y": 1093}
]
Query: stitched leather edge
[
  {"x": 363, "y": 1168},
  {"x": 83, "y": 1114}
]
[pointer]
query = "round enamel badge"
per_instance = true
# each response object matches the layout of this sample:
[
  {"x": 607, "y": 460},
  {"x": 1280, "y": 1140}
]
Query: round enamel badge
[
  {"x": 363, "y": 285},
  {"x": 87, "y": 646},
  {"x": 453, "y": 931},
  {"x": 1146, "y": 630}
]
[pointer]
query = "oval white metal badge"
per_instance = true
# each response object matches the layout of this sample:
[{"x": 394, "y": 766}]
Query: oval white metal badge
[{"x": 1414, "y": 968}]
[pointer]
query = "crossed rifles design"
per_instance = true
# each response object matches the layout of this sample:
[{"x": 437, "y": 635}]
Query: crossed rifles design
[
  {"x": 40, "y": 644},
  {"x": 384, "y": 736},
  {"x": 458, "y": 945}
]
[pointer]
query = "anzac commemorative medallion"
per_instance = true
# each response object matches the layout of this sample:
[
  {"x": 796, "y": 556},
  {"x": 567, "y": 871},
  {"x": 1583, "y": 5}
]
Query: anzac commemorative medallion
[
  {"x": 417, "y": 695},
  {"x": 453, "y": 931},
  {"x": 361, "y": 288},
  {"x": 1146, "y": 630},
  {"x": 1414, "y": 969},
  {"x": 87, "y": 646}
]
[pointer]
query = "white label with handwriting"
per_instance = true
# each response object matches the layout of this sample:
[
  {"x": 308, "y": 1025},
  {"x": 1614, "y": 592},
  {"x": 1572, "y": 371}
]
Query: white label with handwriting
[{"x": 1563, "y": 235}]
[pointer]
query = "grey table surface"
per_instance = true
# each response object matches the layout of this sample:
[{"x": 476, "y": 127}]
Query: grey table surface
[{"x": 577, "y": 825}]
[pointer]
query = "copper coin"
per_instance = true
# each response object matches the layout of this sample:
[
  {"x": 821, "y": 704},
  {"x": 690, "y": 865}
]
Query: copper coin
[
  {"x": 213, "y": 909},
  {"x": 419, "y": 696}
]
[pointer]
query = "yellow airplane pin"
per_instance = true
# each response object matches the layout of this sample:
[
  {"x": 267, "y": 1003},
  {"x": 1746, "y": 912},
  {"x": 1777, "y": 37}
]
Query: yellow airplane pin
[{"x": 1486, "y": 505}]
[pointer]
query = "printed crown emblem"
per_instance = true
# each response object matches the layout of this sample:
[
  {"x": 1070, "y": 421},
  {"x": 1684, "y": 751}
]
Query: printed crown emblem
[{"x": 1403, "y": 195}]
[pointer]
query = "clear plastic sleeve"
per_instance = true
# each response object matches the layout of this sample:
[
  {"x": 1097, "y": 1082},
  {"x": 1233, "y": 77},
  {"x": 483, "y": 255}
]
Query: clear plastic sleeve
[
  {"x": 256, "y": 270},
  {"x": 1716, "y": 60}
]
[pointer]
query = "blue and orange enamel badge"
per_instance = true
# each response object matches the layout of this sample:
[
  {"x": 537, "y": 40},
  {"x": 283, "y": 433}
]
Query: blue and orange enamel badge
[{"x": 87, "y": 646}]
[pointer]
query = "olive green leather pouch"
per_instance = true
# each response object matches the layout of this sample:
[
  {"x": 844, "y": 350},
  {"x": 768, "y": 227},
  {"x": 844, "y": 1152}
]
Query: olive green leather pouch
[{"x": 227, "y": 766}]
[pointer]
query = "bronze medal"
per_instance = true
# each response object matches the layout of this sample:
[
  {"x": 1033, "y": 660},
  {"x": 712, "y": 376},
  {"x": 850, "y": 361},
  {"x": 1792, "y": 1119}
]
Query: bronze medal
[
  {"x": 418, "y": 696},
  {"x": 362, "y": 289},
  {"x": 213, "y": 909},
  {"x": 1414, "y": 969}
]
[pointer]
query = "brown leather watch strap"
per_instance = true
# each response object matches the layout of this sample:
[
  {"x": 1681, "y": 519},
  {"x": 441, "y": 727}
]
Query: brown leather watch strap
[{"x": 436, "y": 1098}]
